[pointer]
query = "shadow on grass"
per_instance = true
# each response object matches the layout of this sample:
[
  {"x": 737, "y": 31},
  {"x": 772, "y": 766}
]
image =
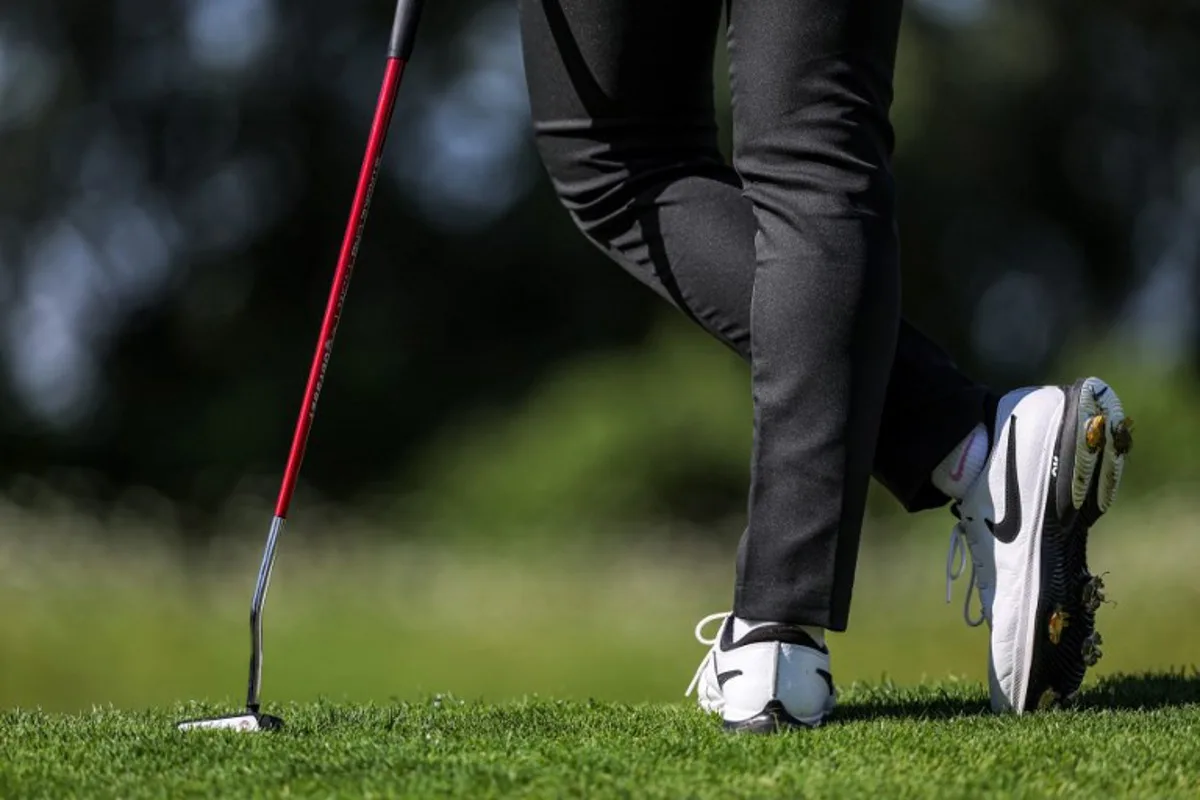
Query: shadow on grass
[
  {"x": 931, "y": 708},
  {"x": 1144, "y": 692}
]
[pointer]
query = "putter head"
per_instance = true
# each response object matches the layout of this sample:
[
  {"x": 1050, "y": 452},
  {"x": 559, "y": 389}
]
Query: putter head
[{"x": 247, "y": 723}]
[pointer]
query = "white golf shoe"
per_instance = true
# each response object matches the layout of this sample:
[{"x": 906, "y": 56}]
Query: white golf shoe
[
  {"x": 1055, "y": 465},
  {"x": 773, "y": 676}
]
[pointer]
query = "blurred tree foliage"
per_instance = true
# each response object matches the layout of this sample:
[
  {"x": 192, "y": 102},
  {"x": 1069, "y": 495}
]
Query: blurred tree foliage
[{"x": 175, "y": 177}]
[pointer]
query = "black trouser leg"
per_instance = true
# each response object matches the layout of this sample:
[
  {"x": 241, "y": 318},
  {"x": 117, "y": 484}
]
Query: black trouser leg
[
  {"x": 812, "y": 89},
  {"x": 802, "y": 264}
]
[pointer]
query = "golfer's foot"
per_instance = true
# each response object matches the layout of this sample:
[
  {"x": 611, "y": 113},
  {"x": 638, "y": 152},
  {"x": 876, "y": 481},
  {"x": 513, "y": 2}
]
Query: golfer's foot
[
  {"x": 773, "y": 676},
  {"x": 1054, "y": 469}
]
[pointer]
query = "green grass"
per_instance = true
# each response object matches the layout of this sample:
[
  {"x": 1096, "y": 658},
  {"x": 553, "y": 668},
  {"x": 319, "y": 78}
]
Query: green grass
[
  {"x": 361, "y": 635},
  {"x": 1134, "y": 736}
]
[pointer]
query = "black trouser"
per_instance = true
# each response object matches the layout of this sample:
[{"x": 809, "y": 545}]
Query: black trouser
[{"x": 789, "y": 256}]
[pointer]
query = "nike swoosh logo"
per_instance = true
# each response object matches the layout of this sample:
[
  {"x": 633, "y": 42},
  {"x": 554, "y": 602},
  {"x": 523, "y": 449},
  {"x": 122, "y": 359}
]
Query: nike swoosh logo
[
  {"x": 725, "y": 677},
  {"x": 824, "y": 673},
  {"x": 1007, "y": 529}
]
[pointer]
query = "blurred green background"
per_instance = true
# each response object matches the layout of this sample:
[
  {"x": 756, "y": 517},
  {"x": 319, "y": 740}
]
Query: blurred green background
[{"x": 527, "y": 475}]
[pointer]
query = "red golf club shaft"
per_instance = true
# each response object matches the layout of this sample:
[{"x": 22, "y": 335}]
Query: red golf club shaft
[
  {"x": 404, "y": 32},
  {"x": 341, "y": 278}
]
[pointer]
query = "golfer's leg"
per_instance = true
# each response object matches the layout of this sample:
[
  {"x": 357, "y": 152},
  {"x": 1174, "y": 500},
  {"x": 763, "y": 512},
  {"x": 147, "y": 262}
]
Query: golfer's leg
[
  {"x": 812, "y": 89},
  {"x": 931, "y": 406},
  {"x": 622, "y": 99}
]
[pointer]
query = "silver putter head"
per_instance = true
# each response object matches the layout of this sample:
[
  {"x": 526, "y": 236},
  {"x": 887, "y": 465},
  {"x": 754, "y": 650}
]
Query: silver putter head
[{"x": 246, "y": 723}]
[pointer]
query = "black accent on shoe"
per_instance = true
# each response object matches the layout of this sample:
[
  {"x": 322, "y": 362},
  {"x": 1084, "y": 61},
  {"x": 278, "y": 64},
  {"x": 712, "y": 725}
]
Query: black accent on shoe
[
  {"x": 1059, "y": 667},
  {"x": 1007, "y": 529},
  {"x": 787, "y": 634},
  {"x": 991, "y": 410},
  {"x": 772, "y": 719},
  {"x": 725, "y": 677},
  {"x": 828, "y": 678},
  {"x": 1060, "y": 487}
]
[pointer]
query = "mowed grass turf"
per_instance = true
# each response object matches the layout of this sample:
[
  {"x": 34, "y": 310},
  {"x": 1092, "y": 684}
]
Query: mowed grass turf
[
  {"x": 378, "y": 630},
  {"x": 1131, "y": 736}
]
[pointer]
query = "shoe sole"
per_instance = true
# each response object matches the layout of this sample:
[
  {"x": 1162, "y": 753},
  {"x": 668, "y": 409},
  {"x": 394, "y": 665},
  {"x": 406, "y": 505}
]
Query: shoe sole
[
  {"x": 774, "y": 718},
  {"x": 1093, "y": 440}
]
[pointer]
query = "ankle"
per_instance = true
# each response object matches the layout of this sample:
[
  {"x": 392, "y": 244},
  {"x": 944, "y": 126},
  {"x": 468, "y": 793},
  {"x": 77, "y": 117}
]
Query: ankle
[
  {"x": 741, "y": 627},
  {"x": 963, "y": 465},
  {"x": 817, "y": 634}
]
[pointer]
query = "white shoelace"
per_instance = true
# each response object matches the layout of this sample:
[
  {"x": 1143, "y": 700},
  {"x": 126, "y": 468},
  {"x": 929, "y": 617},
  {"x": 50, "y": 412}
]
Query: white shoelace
[
  {"x": 707, "y": 642},
  {"x": 960, "y": 548}
]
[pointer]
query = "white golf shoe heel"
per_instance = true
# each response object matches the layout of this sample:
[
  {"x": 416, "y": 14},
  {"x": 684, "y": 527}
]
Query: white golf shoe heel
[{"x": 774, "y": 676}]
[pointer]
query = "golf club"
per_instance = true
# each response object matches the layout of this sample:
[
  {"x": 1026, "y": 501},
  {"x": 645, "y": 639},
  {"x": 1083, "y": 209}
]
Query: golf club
[{"x": 400, "y": 47}]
